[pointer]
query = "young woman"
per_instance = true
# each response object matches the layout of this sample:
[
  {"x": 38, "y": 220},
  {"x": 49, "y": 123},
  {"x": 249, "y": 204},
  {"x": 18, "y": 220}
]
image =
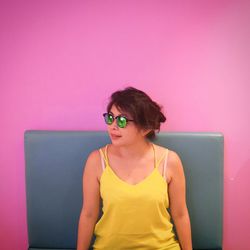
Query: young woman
[{"x": 136, "y": 181}]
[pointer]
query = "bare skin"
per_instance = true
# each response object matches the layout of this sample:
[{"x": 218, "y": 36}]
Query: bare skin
[{"x": 131, "y": 157}]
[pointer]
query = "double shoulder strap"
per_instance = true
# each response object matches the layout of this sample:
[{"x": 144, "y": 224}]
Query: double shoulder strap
[
  {"x": 103, "y": 158},
  {"x": 165, "y": 164}
]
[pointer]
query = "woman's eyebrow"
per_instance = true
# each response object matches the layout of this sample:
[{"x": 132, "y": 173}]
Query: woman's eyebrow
[{"x": 122, "y": 114}]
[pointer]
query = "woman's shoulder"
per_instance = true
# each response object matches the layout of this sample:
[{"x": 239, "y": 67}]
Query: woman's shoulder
[
  {"x": 95, "y": 154},
  {"x": 174, "y": 166},
  {"x": 173, "y": 157},
  {"x": 93, "y": 162}
]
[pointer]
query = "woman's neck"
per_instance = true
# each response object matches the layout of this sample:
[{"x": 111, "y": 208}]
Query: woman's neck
[{"x": 133, "y": 151}]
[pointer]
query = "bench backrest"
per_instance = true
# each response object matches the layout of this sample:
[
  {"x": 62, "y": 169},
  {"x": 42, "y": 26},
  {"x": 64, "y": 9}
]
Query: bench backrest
[{"x": 54, "y": 167}]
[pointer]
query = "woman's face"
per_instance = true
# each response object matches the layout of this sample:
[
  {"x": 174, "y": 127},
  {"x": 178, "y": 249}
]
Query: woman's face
[{"x": 124, "y": 136}]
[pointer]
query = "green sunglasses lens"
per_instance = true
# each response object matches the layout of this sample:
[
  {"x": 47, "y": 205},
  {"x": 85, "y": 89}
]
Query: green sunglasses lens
[
  {"x": 108, "y": 118},
  {"x": 121, "y": 121}
]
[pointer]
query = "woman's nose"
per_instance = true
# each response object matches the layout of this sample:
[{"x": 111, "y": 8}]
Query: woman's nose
[{"x": 114, "y": 125}]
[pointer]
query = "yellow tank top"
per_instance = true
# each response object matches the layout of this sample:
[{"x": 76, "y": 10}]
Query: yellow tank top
[{"x": 135, "y": 217}]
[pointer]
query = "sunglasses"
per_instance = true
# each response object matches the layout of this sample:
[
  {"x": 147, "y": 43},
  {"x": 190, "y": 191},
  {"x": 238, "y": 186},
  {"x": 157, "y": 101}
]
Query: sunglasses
[{"x": 121, "y": 120}]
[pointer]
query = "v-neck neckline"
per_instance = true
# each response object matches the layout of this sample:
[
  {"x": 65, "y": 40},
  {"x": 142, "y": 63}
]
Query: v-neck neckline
[
  {"x": 125, "y": 182},
  {"x": 129, "y": 184}
]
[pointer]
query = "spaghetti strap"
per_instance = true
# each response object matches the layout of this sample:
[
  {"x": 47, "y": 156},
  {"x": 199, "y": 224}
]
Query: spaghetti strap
[
  {"x": 165, "y": 164},
  {"x": 158, "y": 163},
  {"x": 103, "y": 158},
  {"x": 106, "y": 155}
]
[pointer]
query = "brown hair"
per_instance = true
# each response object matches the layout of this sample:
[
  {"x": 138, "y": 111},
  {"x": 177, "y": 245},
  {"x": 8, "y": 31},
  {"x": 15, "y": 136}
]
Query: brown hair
[{"x": 144, "y": 111}]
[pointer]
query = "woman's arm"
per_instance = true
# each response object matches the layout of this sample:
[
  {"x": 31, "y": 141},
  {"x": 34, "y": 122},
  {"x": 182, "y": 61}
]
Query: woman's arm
[
  {"x": 177, "y": 197},
  {"x": 91, "y": 202}
]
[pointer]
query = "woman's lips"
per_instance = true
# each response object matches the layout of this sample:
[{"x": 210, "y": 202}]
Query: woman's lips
[{"x": 114, "y": 137}]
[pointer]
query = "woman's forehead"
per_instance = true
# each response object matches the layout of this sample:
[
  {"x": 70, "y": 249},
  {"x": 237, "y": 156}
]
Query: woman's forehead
[{"x": 118, "y": 111}]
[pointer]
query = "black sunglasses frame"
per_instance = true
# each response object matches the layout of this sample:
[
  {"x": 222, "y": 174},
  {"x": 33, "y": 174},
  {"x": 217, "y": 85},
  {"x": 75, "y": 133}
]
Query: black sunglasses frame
[{"x": 116, "y": 118}]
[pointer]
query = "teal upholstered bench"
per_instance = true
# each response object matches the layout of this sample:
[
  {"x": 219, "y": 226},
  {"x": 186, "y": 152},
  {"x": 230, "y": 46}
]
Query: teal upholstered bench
[{"x": 54, "y": 167}]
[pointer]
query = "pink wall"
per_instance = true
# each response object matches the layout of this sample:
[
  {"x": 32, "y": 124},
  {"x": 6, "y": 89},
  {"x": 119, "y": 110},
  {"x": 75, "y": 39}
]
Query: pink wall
[{"x": 60, "y": 60}]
